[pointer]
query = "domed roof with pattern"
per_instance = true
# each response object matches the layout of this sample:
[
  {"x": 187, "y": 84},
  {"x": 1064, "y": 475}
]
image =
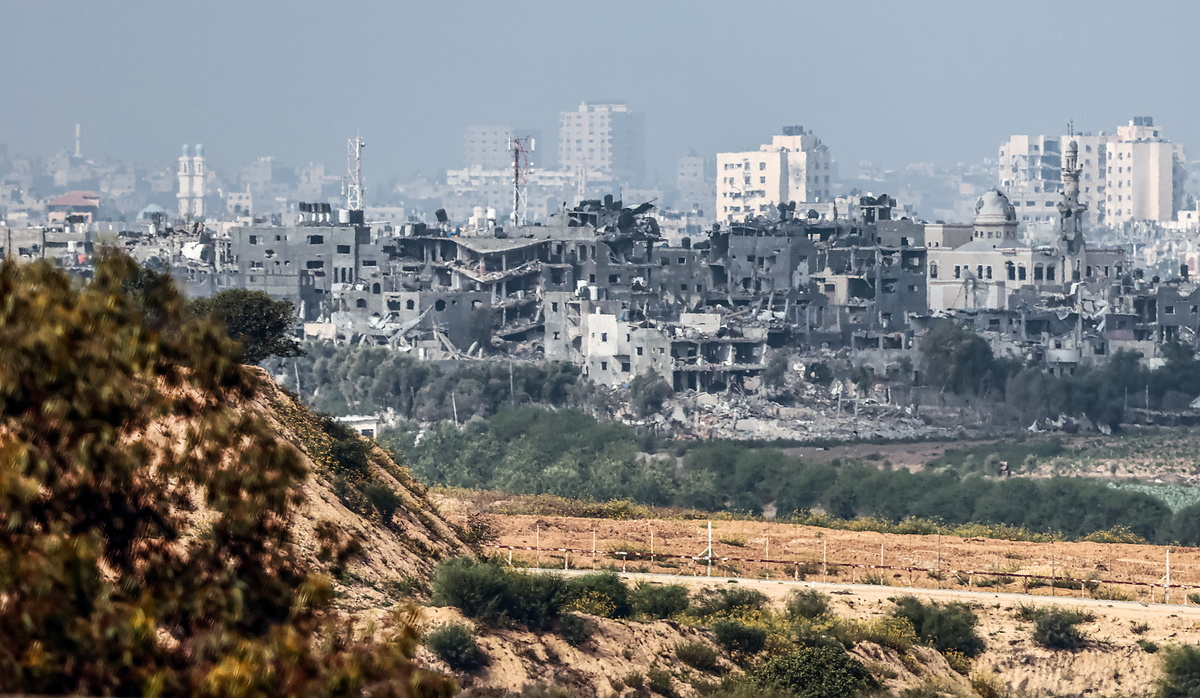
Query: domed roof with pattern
[{"x": 994, "y": 207}]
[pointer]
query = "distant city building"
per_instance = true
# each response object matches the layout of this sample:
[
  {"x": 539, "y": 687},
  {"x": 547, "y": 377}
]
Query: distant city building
[
  {"x": 792, "y": 167},
  {"x": 488, "y": 147},
  {"x": 1133, "y": 174},
  {"x": 695, "y": 182},
  {"x": 600, "y": 141},
  {"x": 191, "y": 183},
  {"x": 73, "y": 207}
]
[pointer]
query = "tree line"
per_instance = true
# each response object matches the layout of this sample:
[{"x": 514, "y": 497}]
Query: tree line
[
  {"x": 959, "y": 361},
  {"x": 526, "y": 451}
]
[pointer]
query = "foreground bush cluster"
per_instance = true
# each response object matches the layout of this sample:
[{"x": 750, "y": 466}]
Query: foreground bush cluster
[
  {"x": 119, "y": 420},
  {"x": 801, "y": 651}
]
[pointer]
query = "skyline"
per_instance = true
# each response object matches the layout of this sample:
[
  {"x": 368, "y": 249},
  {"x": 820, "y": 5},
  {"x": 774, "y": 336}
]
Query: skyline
[{"x": 893, "y": 88}]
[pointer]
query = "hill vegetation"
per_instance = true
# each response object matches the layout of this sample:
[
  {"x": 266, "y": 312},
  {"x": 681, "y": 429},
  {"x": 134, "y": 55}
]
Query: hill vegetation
[{"x": 148, "y": 519}]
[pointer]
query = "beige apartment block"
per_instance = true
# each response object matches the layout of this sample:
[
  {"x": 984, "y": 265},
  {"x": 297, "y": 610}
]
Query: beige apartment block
[{"x": 794, "y": 166}]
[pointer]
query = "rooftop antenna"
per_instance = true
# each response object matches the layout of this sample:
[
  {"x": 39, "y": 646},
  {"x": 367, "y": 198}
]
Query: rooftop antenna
[
  {"x": 1071, "y": 128},
  {"x": 354, "y": 189},
  {"x": 521, "y": 148}
]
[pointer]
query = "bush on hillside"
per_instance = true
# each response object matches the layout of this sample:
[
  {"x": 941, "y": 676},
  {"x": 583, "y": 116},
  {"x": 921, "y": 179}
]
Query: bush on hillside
[
  {"x": 576, "y": 630},
  {"x": 101, "y": 381},
  {"x": 658, "y": 601},
  {"x": 1056, "y": 629},
  {"x": 807, "y": 604},
  {"x": 1180, "y": 672},
  {"x": 606, "y": 594},
  {"x": 943, "y": 627},
  {"x": 494, "y": 595},
  {"x": 739, "y": 640},
  {"x": 454, "y": 644},
  {"x": 698, "y": 655},
  {"x": 814, "y": 672},
  {"x": 728, "y": 600}
]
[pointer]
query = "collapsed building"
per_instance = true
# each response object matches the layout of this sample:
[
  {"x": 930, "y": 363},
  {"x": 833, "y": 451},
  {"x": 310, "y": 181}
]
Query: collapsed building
[{"x": 599, "y": 286}]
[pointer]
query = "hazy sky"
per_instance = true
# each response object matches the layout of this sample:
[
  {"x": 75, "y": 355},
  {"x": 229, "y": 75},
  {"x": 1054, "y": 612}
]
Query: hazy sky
[{"x": 890, "y": 82}]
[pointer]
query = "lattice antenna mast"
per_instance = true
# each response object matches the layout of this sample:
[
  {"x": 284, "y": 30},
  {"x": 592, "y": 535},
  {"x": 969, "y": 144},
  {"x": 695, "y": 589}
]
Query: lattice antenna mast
[
  {"x": 354, "y": 185},
  {"x": 521, "y": 148}
]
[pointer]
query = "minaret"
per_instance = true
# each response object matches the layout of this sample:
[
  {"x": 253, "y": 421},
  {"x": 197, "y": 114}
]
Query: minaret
[
  {"x": 1070, "y": 211},
  {"x": 185, "y": 182},
  {"x": 198, "y": 184}
]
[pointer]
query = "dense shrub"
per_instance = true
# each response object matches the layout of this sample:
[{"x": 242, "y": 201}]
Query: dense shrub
[
  {"x": 807, "y": 603},
  {"x": 454, "y": 644},
  {"x": 739, "y": 640},
  {"x": 605, "y": 587},
  {"x": 492, "y": 594},
  {"x": 729, "y": 600},
  {"x": 1180, "y": 673},
  {"x": 384, "y": 499},
  {"x": 943, "y": 627},
  {"x": 111, "y": 582},
  {"x": 576, "y": 630},
  {"x": 697, "y": 655},
  {"x": 1057, "y": 629},
  {"x": 658, "y": 601},
  {"x": 814, "y": 672},
  {"x": 659, "y": 681}
]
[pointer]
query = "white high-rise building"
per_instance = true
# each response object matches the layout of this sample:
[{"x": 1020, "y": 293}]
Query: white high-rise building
[
  {"x": 1145, "y": 174},
  {"x": 602, "y": 141},
  {"x": 1133, "y": 174},
  {"x": 792, "y": 167},
  {"x": 192, "y": 188}
]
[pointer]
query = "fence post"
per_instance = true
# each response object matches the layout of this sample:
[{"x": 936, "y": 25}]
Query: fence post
[
  {"x": 593, "y": 547},
  {"x": 1167, "y": 588},
  {"x": 824, "y": 560},
  {"x": 939, "y": 559},
  {"x": 537, "y": 538}
]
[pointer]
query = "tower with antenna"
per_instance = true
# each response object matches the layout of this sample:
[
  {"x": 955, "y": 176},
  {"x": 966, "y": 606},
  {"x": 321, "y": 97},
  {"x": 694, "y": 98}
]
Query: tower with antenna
[
  {"x": 521, "y": 148},
  {"x": 354, "y": 189}
]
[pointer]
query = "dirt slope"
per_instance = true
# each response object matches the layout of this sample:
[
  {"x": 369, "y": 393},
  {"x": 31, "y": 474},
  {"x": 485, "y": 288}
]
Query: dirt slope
[{"x": 395, "y": 557}]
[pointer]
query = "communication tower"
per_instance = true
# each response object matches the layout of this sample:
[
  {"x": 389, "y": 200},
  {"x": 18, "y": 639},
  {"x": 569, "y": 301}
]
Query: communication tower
[
  {"x": 354, "y": 189},
  {"x": 521, "y": 148}
]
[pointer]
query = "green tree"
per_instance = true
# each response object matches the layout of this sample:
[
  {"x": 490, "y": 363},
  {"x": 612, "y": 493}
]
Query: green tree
[
  {"x": 261, "y": 325},
  {"x": 112, "y": 431},
  {"x": 957, "y": 359},
  {"x": 647, "y": 392}
]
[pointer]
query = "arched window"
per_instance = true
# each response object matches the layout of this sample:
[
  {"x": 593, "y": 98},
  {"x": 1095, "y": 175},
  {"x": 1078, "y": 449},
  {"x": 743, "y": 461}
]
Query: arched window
[
  {"x": 1038, "y": 272},
  {"x": 1012, "y": 271},
  {"x": 409, "y": 304},
  {"x": 376, "y": 288},
  {"x": 361, "y": 303}
]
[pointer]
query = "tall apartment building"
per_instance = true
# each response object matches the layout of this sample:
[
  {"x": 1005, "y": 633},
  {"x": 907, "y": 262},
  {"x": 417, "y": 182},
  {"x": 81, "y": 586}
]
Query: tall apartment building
[
  {"x": 694, "y": 182},
  {"x": 601, "y": 141},
  {"x": 794, "y": 166},
  {"x": 488, "y": 147},
  {"x": 1145, "y": 183},
  {"x": 1145, "y": 174}
]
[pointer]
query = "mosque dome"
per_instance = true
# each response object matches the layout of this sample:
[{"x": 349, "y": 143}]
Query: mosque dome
[{"x": 994, "y": 207}]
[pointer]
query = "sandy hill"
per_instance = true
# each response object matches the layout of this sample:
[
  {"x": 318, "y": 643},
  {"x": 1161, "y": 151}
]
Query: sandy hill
[{"x": 397, "y": 557}]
